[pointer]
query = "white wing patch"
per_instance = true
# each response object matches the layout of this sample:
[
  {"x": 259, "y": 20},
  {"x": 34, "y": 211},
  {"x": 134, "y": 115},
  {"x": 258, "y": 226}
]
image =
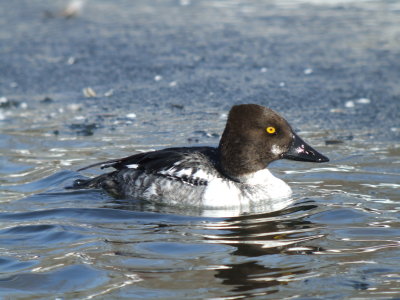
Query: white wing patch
[
  {"x": 188, "y": 175},
  {"x": 132, "y": 166},
  {"x": 170, "y": 172},
  {"x": 202, "y": 175},
  {"x": 183, "y": 173}
]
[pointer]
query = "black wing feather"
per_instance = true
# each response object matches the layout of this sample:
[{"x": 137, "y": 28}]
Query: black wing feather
[{"x": 158, "y": 160}]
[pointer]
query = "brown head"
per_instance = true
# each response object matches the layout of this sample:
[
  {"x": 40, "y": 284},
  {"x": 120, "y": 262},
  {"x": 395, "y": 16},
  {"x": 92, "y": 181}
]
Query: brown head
[{"x": 255, "y": 136}]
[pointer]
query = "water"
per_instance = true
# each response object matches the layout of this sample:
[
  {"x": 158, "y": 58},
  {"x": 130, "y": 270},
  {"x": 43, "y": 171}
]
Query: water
[{"x": 187, "y": 63}]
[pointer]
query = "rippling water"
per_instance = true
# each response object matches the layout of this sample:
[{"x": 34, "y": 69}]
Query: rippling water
[{"x": 340, "y": 240}]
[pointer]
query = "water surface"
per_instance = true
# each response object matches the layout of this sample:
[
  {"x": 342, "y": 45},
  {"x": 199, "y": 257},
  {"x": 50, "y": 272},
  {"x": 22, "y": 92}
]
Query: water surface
[{"x": 165, "y": 74}]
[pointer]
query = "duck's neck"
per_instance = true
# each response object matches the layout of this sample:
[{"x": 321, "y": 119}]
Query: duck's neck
[{"x": 238, "y": 157}]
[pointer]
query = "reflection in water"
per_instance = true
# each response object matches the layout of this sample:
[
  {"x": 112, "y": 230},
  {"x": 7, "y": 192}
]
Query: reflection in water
[
  {"x": 256, "y": 241},
  {"x": 252, "y": 276},
  {"x": 264, "y": 236}
]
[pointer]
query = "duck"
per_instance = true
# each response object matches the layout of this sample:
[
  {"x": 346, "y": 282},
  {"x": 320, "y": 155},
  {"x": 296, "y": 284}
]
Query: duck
[{"x": 234, "y": 174}]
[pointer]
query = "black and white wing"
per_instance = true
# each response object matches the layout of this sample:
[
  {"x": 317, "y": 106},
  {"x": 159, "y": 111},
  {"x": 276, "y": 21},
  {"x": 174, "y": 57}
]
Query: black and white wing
[{"x": 193, "y": 165}]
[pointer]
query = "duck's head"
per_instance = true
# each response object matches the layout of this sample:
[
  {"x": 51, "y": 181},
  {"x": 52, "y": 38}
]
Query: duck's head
[{"x": 255, "y": 136}]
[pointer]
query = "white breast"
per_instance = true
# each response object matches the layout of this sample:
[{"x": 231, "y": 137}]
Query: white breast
[
  {"x": 252, "y": 188},
  {"x": 221, "y": 193}
]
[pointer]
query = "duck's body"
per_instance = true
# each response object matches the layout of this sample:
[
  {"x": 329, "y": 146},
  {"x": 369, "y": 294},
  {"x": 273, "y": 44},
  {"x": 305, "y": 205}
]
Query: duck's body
[
  {"x": 234, "y": 174},
  {"x": 188, "y": 176}
]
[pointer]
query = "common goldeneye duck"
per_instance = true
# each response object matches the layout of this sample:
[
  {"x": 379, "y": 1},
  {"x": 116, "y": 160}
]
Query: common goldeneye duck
[{"x": 234, "y": 174}]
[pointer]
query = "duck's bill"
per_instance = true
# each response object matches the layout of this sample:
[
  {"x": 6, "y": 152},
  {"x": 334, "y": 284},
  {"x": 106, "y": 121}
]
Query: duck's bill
[{"x": 300, "y": 150}]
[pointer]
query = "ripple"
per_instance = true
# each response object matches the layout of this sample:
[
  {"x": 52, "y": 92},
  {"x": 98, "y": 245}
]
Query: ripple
[
  {"x": 40, "y": 236},
  {"x": 13, "y": 265},
  {"x": 59, "y": 281}
]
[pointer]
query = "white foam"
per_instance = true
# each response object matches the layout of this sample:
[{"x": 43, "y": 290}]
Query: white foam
[
  {"x": 308, "y": 71},
  {"x": 363, "y": 101}
]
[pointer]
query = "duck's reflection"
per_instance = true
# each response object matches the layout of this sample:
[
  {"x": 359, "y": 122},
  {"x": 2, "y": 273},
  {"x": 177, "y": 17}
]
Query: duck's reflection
[
  {"x": 252, "y": 276},
  {"x": 264, "y": 240},
  {"x": 262, "y": 243}
]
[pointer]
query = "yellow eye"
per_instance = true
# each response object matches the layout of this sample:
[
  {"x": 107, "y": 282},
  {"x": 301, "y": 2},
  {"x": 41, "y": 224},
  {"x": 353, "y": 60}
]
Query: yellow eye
[{"x": 270, "y": 130}]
